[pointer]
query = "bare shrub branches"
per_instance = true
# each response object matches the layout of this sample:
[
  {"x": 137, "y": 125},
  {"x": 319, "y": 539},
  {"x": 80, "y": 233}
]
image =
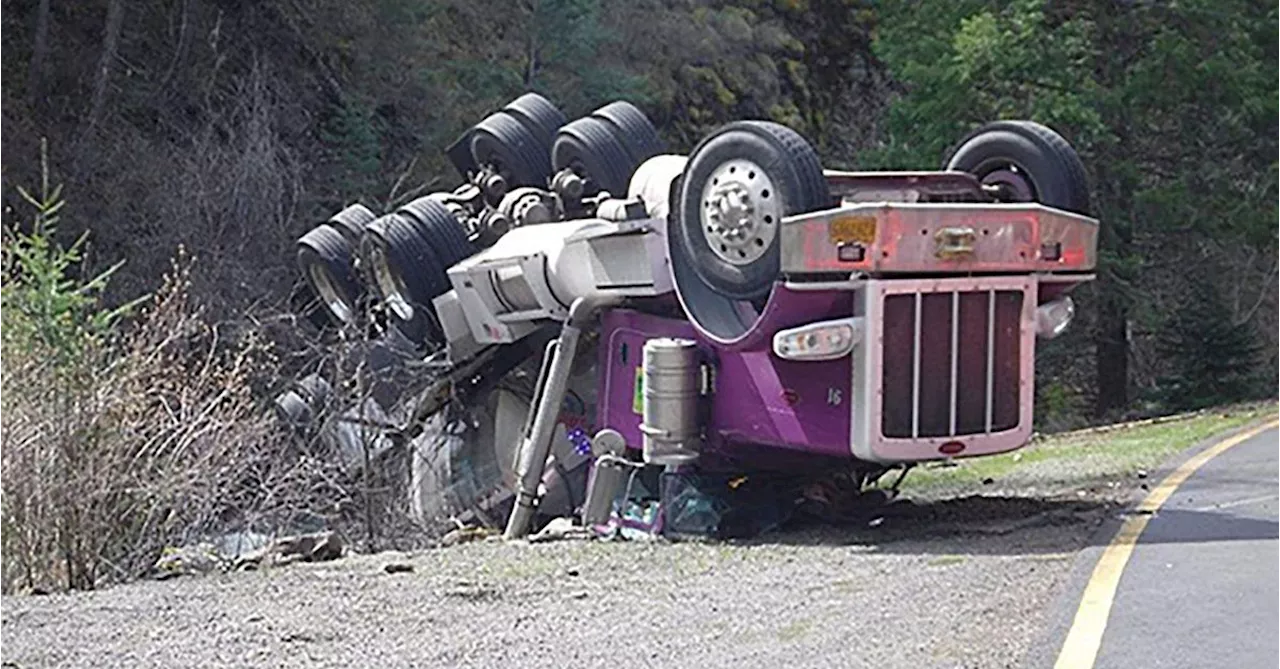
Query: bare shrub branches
[
  {"x": 117, "y": 452},
  {"x": 124, "y": 437}
]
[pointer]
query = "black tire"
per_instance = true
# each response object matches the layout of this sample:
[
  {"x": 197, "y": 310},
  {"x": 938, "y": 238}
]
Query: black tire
[
  {"x": 394, "y": 252},
  {"x": 1050, "y": 169},
  {"x": 439, "y": 228},
  {"x": 712, "y": 289},
  {"x": 540, "y": 116},
  {"x": 325, "y": 258},
  {"x": 512, "y": 149},
  {"x": 350, "y": 222},
  {"x": 789, "y": 162},
  {"x": 589, "y": 147},
  {"x": 633, "y": 129}
]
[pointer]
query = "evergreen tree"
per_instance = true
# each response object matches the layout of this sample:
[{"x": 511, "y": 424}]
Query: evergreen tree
[
  {"x": 1215, "y": 360},
  {"x": 1164, "y": 158}
]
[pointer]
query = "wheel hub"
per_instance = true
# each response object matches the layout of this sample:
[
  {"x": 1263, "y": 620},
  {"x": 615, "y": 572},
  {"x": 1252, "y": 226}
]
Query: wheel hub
[
  {"x": 329, "y": 293},
  {"x": 390, "y": 285},
  {"x": 740, "y": 212},
  {"x": 1012, "y": 181}
]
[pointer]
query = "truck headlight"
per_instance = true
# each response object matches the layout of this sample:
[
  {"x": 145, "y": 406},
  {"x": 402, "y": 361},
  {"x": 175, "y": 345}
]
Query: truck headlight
[
  {"x": 826, "y": 340},
  {"x": 1053, "y": 317}
]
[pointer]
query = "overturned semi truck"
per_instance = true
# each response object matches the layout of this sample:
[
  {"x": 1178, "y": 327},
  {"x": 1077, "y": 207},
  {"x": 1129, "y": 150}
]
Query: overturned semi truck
[{"x": 600, "y": 306}]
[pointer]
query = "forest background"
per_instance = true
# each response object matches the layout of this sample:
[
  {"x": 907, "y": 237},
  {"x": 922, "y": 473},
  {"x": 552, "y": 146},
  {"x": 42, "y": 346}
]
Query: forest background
[{"x": 230, "y": 127}]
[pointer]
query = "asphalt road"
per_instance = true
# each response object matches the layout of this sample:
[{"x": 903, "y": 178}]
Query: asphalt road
[{"x": 1201, "y": 587}]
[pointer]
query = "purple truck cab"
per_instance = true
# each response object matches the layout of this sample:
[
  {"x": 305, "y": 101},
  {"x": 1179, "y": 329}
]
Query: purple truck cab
[{"x": 934, "y": 314}]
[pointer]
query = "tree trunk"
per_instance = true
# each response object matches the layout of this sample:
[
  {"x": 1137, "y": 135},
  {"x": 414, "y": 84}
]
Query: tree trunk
[
  {"x": 531, "y": 67},
  {"x": 531, "y": 72},
  {"x": 180, "y": 51},
  {"x": 1112, "y": 352},
  {"x": 110, "y": 45},
  {"x": 1117, "y": 42},
  {"x": 1111, "y": 335},
  {"x": 39, "y": 54}
]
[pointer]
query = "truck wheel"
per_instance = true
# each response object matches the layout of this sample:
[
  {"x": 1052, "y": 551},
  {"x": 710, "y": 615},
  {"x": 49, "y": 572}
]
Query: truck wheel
[
  {"x": 350, "y": 222},
  {"x": 589, "y": 148},
  {"x": 633, "y": 129},
  {"x": 324, "y": 256},
  {"x": 502, "y": 142},
  {"x": 540, "y": 116},
  {"x": 439, "y": 228},
  {"x": 1030, "y": 161},
  {"x": 723, "y": 237},
  {"x": 738, "y": 185},
  {"x": 406, "y": 274}
]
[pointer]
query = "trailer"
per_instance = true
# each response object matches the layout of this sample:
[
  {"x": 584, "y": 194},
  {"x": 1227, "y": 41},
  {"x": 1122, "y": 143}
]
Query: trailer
[{"x": 737, "y": 308}]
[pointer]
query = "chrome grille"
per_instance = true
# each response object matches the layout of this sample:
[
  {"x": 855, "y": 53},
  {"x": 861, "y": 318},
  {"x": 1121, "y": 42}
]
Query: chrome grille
[{"x": 951, "y": 363}]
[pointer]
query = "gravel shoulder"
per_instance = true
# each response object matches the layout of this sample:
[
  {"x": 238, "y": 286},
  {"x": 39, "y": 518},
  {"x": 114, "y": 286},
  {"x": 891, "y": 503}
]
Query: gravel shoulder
[{"x": 953, "y": 581}]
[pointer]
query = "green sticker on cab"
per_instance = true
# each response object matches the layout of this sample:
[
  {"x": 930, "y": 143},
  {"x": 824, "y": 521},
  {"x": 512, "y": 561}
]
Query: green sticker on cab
[{"x": 637, "y": 400}]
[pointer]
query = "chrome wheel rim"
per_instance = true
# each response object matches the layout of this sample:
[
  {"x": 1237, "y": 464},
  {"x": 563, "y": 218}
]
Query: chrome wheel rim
[
  {"x": 329, "y": 293},
  {"x": 390, "y": 286},
  {"x": 741, "y": 212}
]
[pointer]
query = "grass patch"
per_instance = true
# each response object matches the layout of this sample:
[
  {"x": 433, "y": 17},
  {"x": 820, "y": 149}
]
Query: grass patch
[
  {"x": 1073, "y": 458},
  {"x": 946, "y": 560},
  {"x": 794, "y": 631},
  {"x": 844, "y": 585}
]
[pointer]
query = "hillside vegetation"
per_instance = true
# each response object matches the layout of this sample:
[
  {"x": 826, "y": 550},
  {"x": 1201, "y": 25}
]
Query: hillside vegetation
[{"x": 232, "y": 126}]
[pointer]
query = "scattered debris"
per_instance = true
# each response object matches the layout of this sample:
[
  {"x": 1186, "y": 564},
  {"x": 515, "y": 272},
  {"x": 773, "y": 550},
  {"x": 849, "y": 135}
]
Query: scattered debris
[
  {"x": 712, "y": 505},
  {"x": 638, "y": 521},
  {"x": 317, "y": 547},
  {"x": 464, "y": 535},
  {"x": 200, "y": 558},
  {"x": 561, "y": 528},
  {"x": 246, "y": 551}
]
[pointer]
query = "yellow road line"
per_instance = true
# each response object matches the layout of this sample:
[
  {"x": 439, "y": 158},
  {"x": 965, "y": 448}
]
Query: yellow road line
[{"x": 1080, "y": 650}]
